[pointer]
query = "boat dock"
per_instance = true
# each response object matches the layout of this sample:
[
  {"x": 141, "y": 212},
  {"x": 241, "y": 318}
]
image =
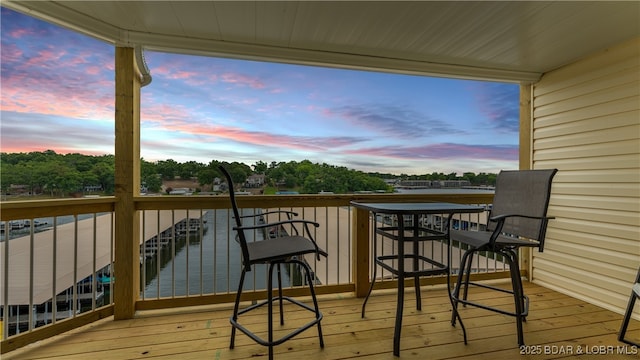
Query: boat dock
[{"x": 75, "y": 260}]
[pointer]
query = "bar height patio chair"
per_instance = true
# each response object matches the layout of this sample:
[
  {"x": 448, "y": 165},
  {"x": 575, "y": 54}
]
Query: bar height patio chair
[
  {"x": 274, "y": 251},
  {"x": 518, "y": 218},
  {"x": 635, "y": 294}
]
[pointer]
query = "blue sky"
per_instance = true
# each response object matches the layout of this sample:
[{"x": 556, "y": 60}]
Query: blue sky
[{"x": 58, "y": 93}]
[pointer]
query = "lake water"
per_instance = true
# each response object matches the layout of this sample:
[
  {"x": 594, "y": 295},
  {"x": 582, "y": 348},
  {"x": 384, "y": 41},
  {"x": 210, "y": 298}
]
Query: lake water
[
  {"x": 446, "y": 191},
  {"x": 214, "y": 262},
  {"x": 204, "y": 264}
]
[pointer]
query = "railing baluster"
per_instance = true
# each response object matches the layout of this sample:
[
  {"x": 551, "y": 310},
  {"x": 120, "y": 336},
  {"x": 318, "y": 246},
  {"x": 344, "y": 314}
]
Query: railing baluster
[
  {"x": 94, "y": 275},
  {"x": 31, "y": 273},
  {"x": 229, "y": 234},
  {"x": 188, "y": 235},
  {"x": 173, "y": 255},
  {"x": 113, "y": 255},
  {"x": 158, "y": 256},
  {"x": 215, "y": 250},
  {"x": 54, "y": 303},
  {"x": 201, "y": 235},
  {"x": 5, "y": 287},
  {"x": 75, "y": 265}
]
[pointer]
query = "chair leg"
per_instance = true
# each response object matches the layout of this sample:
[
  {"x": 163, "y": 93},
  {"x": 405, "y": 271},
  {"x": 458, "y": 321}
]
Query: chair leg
[
  {"x": 373, "y": 281},
  {"x": 280, "y": 295},
  {"x": 454, "y": 308},
  {"x": 307, "y": 271},
  {"x": 236, "y": 308},
  {"x": 625, "y": 321},
  {"x": 270, "y": 309},
  {"x": 456, "y": 289},
  {"x": 468, "y": 276},
  {"x": 523, "y": 305},
  {"x": 516, "y": 283}
]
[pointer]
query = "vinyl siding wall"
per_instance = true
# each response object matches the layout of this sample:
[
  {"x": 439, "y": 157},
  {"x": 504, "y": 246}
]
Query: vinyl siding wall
[{"x": 586, "y": 123}]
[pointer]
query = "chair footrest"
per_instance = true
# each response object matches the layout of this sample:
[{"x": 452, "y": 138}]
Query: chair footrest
[
  {"x": 265, "y": 302},
  {"x": 261, "y": 341},
  {"x": 525, "y": 299},
  {"x": 438, "y": 268}
]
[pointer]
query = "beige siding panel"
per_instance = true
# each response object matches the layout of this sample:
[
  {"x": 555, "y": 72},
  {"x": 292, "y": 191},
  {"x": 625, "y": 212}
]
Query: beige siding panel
[
  {"x": 599, "y": 113},
  {"x": 581, "y": 288},
  {"x": 591, "y": 175},
  {"x": 588, "y": 254},
  {"x": 559, "y": 125},
  {"x": 619, "y": 75},
  {"x": 622, "y": 190},
  {"x": 597, "y": 66},
  {"x": 630, "y": 146},
  {"x": 630, "y": 205},
  {"x": 575, "y": 273},
  {"x": 629, "y": 89},
  {"x": 627, "y": 161},
  {"x": 608, "y": 216},
  {"x": 591, "y": 137},
  {"x": 586, "y": 123},
  {"x": 581, "y": 226},
  {"x": 623, "y": 247},
  {"x": 607, "y": 270}
]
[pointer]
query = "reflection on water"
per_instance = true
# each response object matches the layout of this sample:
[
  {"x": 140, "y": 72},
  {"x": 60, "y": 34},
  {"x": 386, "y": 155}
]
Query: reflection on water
[{"x": 211, "y": 264}]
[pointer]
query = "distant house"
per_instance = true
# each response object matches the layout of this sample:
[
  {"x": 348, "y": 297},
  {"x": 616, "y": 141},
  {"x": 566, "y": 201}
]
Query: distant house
[
  {"x": 419, "y": 183},
  {"x": 18, "y": 189},
  {"x": 181, "y": 191},
  {"x": 454, "y": 183},
  {"x": 255, "y": 180}
]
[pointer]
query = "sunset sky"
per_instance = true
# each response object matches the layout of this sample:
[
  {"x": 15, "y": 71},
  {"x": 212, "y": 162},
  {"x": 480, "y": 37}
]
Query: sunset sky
[{"x": 57, "y": 93}]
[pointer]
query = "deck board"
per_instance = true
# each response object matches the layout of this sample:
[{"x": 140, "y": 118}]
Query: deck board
[{"x": 203, "y": 332}]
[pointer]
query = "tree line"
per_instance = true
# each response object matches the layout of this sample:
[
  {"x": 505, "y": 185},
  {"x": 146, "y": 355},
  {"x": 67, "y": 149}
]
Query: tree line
[{"x": 59, "y": 175}]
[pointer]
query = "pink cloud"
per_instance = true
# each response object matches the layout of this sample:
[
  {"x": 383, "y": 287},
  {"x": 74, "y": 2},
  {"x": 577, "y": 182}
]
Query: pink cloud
[
  {"x": 11, "y": 53},
  {"x": 93, "y": 70},
  {"x": 234, "y": 78},
  {"x": 21, "y": 32},
  {"x": 181, "y": 75},
  {"x": 61, "y": 101},
  {"x": 45, "y": 59},
  {"x": 441, "y": 151}
]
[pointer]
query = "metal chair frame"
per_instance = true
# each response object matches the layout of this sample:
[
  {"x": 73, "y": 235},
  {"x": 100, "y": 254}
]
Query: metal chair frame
[
  {"x": 503, "y": 238},
  {"x": 292, "y": 248}
]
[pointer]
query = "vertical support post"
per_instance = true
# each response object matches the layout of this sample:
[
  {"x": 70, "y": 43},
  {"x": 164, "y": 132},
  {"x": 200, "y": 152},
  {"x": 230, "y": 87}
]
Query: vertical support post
[
  {"x": 526, "y": 157},
  {"x": 526, "y": 125},
  {"x": 361, "y": 255},
  {"x": 127, "y": 184}
]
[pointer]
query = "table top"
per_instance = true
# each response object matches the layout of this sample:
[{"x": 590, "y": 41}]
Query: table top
[{"x": 406, "y": 208}]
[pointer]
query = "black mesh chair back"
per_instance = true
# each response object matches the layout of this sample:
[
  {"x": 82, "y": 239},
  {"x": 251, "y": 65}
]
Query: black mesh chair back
[
  {"x": 286, "y": 249},
  {"x": 238, "y": 220},
  {"x": 525, "y": 193},
  {"x": 518, "y": 218}
]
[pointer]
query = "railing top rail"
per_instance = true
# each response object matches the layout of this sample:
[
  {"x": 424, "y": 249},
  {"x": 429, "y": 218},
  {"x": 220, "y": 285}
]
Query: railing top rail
[
  {"x": 16, "y": 210},
  {"x": 298, "y": 200}
]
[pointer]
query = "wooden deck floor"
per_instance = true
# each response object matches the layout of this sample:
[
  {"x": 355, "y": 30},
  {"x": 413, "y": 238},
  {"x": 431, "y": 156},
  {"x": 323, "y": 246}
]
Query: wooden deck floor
[{"x": 556, "y": 323}]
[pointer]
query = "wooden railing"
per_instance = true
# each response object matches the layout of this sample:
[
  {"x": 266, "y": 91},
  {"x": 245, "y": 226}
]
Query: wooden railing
[{"x": 344, "y": 231}]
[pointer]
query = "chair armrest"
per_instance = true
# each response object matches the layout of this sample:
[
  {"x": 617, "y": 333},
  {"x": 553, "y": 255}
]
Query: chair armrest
[
  {"x": 503, "y": 217},
  {"x": 500, "y": 219},
  {"x": 288, "y": 213},
  {"x": 277, "y": 223}
]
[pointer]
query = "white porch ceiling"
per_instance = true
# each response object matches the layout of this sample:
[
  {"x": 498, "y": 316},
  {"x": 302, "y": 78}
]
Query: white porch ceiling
[{"x": 509, "y": 41}]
